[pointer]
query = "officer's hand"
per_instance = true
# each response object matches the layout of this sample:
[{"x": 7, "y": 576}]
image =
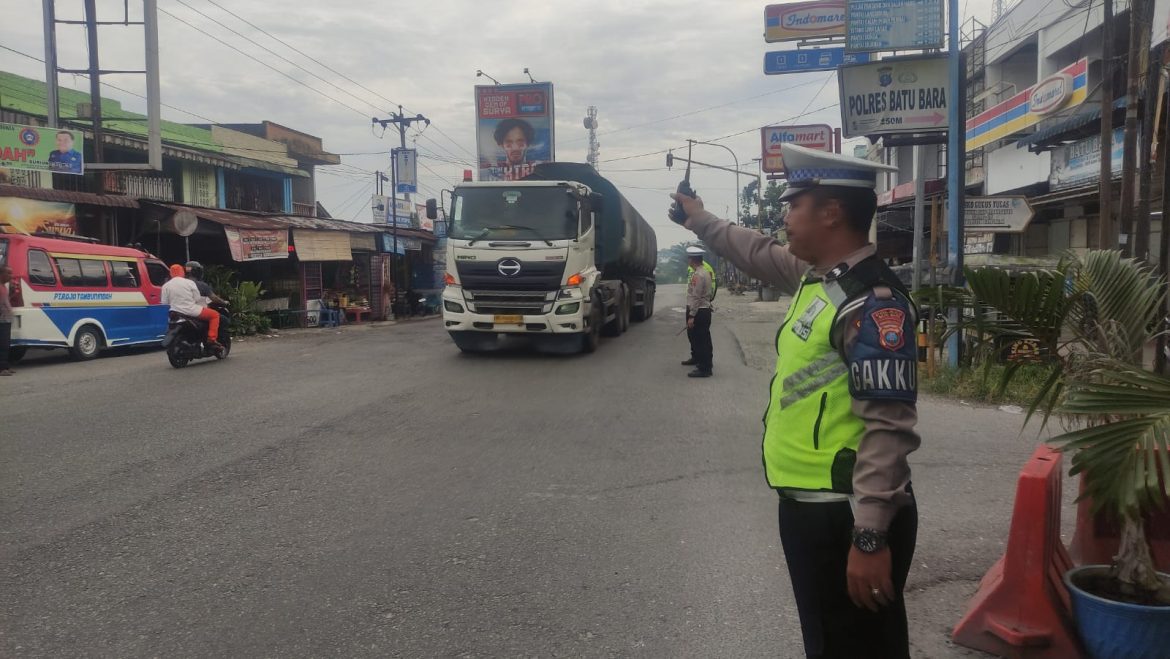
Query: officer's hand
[
  {"x": 867, "y": 572},
  {"x": 691, "y": 323},
  {"x": 690, "y": 205}
]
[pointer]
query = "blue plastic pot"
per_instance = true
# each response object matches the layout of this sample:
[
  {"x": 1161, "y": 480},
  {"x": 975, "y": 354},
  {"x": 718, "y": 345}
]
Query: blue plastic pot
[{"x": 1116, "y": 630}]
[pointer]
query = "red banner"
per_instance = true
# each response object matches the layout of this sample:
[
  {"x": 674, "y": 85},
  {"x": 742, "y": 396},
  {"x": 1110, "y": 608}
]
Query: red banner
[{"x": 257, "y": 244}]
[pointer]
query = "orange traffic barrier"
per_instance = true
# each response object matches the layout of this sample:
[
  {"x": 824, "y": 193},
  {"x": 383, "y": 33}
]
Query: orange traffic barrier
[{"x": 1022, "y": 608}]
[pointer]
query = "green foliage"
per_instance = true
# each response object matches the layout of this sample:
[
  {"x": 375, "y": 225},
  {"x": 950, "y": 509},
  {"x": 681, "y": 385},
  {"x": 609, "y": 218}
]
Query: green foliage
[
  {"x": 1094, "y": 315},
  {"x": 985, "y": 384},
  {"x": 672, "y": 265},
  {"x": 772, "y": 211}
]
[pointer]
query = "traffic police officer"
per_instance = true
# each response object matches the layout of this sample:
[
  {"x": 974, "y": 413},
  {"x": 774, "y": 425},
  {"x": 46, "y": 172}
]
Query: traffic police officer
[
  {"x": 692, "y": 250},
  {"x": 699, "y": 313},
  {"x": 842, "y": 407}
]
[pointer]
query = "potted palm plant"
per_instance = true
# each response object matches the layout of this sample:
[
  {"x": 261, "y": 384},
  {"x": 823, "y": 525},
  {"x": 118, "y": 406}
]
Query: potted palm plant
[{"x": 1093, "y": 316}]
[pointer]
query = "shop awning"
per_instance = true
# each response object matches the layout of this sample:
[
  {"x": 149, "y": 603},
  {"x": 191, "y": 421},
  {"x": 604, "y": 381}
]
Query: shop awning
[
  {"x": 68, "y": 196},
  {"x": 313, "y": 245},
  {"x": 1081, "y": 192},
  {"x": 363, "y": 241},
  {"x": 1065, "y": 129}
]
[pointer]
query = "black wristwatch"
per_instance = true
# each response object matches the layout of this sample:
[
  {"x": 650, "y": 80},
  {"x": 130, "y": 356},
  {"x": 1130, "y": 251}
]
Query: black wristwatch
[{"x": 869, "y": 541}]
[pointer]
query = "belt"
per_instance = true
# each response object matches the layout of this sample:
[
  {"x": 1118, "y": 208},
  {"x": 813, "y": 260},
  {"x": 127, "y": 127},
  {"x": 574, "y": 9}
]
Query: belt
[{"x": 807, "y": 496}]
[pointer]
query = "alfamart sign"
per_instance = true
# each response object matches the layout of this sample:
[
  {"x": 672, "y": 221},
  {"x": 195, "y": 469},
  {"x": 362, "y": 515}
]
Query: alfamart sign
[
  {"x": 804, "y": 20},
  {"x": 819, "y": 137}
]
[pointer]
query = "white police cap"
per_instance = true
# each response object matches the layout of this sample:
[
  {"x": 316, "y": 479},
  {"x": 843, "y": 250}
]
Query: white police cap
[
  {"x": 695, "y": 250},
  {"x": 806, "y": 169}
]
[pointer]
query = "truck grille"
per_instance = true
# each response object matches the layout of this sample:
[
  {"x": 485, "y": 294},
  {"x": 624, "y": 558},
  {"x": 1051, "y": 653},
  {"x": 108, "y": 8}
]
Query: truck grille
[
  {"x": 531, "y": 276},
  {"x": 510, "y": 302}
]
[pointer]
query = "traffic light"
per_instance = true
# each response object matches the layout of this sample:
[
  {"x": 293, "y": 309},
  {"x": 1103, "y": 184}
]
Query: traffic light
[{"x": 669, "y": 159}]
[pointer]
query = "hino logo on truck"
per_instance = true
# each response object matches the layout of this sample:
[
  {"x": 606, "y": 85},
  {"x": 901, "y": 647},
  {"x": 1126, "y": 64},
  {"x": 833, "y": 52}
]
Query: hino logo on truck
[{"x": 508, "y": 267}]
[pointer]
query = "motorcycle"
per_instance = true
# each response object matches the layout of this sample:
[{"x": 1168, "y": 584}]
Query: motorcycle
[{"x": 186, "y": 338}]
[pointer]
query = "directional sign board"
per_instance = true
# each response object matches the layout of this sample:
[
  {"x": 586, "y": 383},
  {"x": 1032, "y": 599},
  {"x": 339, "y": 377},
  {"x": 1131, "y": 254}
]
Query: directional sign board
[
  {"x": 812, "y": 59},
  {"x": 874, "y": 25},
  {"x": 903, "y": 95},
  {"x": 819, "y": 137},
  {"x": 1007, "y": 214}
]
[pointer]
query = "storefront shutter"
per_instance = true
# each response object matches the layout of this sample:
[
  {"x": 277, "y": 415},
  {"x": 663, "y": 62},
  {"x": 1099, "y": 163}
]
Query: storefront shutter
[{"x": 322, "y": 245}]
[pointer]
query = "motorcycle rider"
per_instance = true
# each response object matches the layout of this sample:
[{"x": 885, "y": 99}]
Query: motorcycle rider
[
  {"x": 195, "y": 274},
  {"x": 182, "y": 295}
]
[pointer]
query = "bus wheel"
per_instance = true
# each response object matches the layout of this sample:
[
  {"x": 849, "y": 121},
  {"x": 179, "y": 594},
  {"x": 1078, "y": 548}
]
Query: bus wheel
[
  {"x": 16, "y": 353},
  {"x": 87, "y": 344}
]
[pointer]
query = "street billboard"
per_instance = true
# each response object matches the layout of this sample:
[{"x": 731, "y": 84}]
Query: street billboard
[
  {"x": 1066, "y": 88},
  {"x": 19, "y": 215},
  {"x": 55, "y": 150},
  {"x": 875, "y": 25},
  {"x": 804, "y": 20},
  {"x": 257, "y": 244},
  {"x": 1006, "y": 214},
  {"x": 819, "y": 137},
  {"x": 514, "y": 129},
  {"x": 380, "y": 205},
  {"x": 425, "y": 223},
  {"x": 902, "y": 95}
]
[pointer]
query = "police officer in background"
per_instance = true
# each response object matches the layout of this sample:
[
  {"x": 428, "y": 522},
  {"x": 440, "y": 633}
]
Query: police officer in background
[
  {"x": 699, "y": 313},
  {"x": 692, "y": 250},
  {"x": 842, "y": 406}
]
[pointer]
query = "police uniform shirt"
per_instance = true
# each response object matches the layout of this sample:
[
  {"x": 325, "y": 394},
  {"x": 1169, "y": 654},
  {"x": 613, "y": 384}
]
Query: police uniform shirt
[
  {"x": 882, "y": 473},
  {"x": 699, "y": 290},
  {"x": 69, "y": 161}
]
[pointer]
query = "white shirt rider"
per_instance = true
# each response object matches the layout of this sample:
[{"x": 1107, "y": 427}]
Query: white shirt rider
[{"x": 183, "y": 296}]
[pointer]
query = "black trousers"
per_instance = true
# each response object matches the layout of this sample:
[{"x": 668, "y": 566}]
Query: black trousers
[
  {"x": 690, "y": 335},
  {"x": 701, "y": 340},
  {"x": 5, "y": 342},
  {"x": 817, "y": 539}
]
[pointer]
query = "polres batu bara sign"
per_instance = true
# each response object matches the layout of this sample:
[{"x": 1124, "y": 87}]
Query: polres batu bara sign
[{"x": 903, "y": 95}]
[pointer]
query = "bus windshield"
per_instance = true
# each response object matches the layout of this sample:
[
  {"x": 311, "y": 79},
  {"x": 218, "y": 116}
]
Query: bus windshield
[{"x": 519, "y": 213}]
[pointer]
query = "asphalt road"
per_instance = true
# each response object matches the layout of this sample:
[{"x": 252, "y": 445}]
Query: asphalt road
[{"x": 374, "y": 492}]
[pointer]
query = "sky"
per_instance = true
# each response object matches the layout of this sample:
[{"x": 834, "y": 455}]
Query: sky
[{"x": 659, "y": 72}]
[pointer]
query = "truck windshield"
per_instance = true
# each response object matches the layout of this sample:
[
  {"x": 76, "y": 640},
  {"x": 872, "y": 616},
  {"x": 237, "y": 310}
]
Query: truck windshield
[{"x": 520, "y": 213}]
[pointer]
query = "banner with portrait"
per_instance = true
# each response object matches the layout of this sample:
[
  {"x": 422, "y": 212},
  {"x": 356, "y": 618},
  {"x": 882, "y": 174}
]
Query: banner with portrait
[
  {"x": 19, "y": 215},
  {"x": 514, "y": 129},
  {"x": 55, "y": 150}
]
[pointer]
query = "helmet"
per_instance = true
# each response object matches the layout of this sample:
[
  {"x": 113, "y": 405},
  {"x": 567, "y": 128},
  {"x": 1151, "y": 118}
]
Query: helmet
[{"x": 195, "y": 269}]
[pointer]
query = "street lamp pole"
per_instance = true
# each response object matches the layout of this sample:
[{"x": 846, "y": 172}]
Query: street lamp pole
[{"x": 736, "y": 159}]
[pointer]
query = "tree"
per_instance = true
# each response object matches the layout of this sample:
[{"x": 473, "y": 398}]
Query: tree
[{"x": 672, "y": 264}]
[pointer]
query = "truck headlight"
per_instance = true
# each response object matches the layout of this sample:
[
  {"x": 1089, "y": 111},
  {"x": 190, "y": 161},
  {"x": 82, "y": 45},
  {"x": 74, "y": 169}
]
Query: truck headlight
[
  {"x": 453, "y": 307},
  {"x": 566, "y": 309}
]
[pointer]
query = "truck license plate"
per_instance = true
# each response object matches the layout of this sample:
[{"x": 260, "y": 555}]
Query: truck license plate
[{"x": 509, "y": 320}]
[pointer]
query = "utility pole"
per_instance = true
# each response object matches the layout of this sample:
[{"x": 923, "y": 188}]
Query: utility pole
[
  {"x": 51, "y": 62},
  {"x": 1139, "y": 32},
  {"x": 402, "y": 122},
  {"x": 95, "y": 84},
  {"x": 1105, "y": 234}
]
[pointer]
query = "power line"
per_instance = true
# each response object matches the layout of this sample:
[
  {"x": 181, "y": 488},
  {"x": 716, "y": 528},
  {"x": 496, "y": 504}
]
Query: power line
[
  {"x": 282, "y": 57},
  {"x": 254, "y": 59}
]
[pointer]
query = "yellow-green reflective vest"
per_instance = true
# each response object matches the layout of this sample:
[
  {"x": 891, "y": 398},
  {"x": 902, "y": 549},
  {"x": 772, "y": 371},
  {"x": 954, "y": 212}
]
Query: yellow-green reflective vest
[
  {"x": 708, "y": 268},
  {"x": 811, "y": 434}
]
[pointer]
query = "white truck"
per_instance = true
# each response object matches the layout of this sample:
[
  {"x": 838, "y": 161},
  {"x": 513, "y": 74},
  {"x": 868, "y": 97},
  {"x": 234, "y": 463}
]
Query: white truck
[{"x": 560, "y": 257}]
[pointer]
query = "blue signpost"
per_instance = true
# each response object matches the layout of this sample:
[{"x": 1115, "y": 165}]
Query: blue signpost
[{"x": 811, "y": 59}]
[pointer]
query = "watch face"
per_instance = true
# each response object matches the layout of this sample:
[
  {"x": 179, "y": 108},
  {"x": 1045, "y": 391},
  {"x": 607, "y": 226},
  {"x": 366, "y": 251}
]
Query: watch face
[{"x": 867, "y": 541}]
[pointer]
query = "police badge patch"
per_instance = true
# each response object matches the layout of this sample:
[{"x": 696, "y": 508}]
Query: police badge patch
[{"x": 889, "y": 323}]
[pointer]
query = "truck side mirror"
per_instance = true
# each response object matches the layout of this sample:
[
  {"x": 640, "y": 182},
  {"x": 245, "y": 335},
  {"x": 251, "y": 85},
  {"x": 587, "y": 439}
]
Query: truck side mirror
[{"x": 432, "y": 209}]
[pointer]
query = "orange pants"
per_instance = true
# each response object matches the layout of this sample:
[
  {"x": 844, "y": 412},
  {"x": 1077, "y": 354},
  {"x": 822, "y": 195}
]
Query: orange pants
[{"x": 212, "y": 318}]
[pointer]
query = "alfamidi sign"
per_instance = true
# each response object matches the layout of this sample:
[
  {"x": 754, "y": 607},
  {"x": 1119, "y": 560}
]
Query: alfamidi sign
[
  {"x": 804, "y": 20},
  {"x": 1064, "y": 89}
]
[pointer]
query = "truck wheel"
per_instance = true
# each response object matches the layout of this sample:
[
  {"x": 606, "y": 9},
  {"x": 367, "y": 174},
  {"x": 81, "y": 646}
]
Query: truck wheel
[
  {"x": 468, "y": 344},
  {"x": 16, "y": 353},
  {"x": 87, "y": 344},
  {"x": 592, "y": 336},
  {"x": 614, "y": 327}
]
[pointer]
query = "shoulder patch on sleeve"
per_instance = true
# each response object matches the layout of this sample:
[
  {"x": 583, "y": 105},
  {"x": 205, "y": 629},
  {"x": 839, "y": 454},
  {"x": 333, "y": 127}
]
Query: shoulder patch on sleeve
[{"x": 883, "y": 360}]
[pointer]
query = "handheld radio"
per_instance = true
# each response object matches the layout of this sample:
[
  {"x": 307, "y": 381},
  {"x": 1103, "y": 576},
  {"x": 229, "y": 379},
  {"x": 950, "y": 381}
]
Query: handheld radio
[{"x": 677, "y": 214}]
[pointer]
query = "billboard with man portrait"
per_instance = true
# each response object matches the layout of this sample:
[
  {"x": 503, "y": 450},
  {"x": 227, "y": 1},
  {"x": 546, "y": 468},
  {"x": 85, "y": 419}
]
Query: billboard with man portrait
[
  {"x": 514, "y": 129},
  {"x": 55, "y": 150}
]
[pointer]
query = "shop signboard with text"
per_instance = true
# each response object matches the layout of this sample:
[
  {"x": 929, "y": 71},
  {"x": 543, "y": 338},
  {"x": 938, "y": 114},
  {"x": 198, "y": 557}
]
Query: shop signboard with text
[
  {"x": 514, "y": 129},
  {"x": 401, "y": 215},
  {"x": 1079, "y": 163},
  {"x": 55, "y": 150},
  {"x": 257, "y": 244},
  {"x": 903, "y": 95},
  {"x": 819, "y": 137},
  {"x": 804, "y": 20},
  {"x": 1064, "y": 89},
  {"x": 1006, "y": 214}
]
